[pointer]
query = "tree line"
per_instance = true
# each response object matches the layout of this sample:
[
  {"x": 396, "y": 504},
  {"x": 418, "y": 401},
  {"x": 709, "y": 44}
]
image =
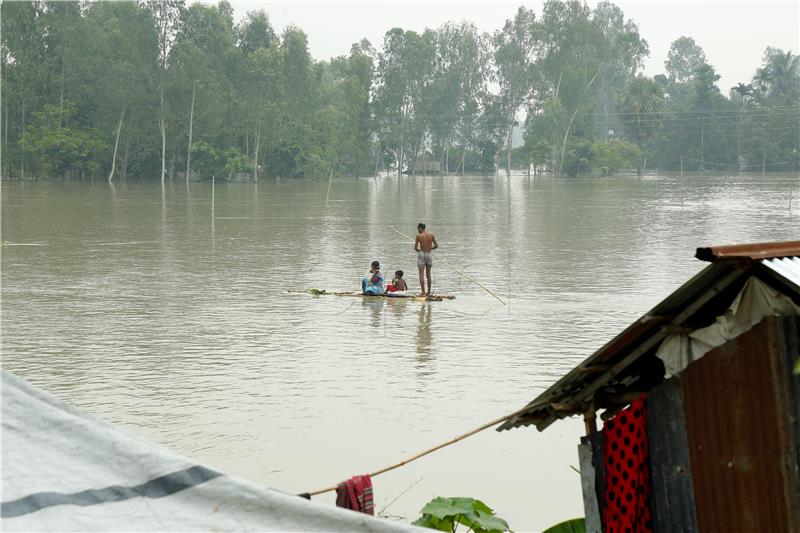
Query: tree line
[{"x": 163, "y": 89}]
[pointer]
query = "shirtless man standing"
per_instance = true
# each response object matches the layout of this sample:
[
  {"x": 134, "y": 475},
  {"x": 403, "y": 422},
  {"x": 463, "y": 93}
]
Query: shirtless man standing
[{"x": 424, "y": 245}]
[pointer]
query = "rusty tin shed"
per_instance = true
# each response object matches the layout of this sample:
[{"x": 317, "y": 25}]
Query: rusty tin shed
[{"x": 716, "y": 361}]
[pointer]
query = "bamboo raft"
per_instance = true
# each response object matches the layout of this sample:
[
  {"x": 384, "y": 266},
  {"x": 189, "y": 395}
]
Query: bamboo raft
[{"x": 387, "y": 296}]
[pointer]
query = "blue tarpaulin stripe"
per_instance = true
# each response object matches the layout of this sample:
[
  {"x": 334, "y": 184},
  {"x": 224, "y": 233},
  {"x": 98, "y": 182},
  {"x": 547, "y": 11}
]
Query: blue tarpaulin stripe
[{"x": 154, "y": 488}]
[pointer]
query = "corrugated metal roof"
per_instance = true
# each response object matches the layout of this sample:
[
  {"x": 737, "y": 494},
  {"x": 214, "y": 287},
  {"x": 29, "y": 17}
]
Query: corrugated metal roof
[
  {"x": 627, "y": 364},
  {"x": 762, "y": 250},
  {"x": 788, "y": 267}
]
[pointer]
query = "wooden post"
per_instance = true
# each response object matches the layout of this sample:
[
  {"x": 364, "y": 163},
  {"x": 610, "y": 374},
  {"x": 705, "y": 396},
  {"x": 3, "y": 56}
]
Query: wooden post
[{"x": 590, "y": 419}]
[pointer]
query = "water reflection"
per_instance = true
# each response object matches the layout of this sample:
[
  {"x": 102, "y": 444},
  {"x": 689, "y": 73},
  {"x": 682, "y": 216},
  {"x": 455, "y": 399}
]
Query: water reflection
[
  {"x": 424, "y": 334},
  {"x": 376, "y": 317},
  {"x": 398, "y": 308}
]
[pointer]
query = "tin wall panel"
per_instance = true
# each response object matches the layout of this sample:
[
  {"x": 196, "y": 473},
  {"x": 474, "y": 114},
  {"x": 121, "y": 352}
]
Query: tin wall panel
[
  {"x": 789, "y": 353},
  {"x": 672, "y": 504},
  {"x": 597, "y": 443},
  {"x": 591, "y": 504},
  {"x": 739, "y": 435}
]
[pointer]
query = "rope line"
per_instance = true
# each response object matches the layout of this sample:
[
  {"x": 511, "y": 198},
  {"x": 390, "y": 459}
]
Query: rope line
[{"x": 439, "y": 446}]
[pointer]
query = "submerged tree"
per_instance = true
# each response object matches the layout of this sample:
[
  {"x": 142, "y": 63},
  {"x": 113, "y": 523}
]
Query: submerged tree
[
  {"x": 167, "y": 17},
  {"x": 152, "y": 85},
  {"x": 517, "y": 48}
]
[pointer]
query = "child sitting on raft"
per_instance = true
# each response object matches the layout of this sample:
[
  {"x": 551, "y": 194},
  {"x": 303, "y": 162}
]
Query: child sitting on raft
[
  {"x": 398, "y": 283},
  {"x": 373, "y": 283}
]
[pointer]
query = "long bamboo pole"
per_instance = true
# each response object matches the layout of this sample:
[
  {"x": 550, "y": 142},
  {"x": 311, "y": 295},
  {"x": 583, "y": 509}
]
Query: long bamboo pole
[
  {"x": 476, "y": 282},
  {"x": 440, "y": 446}
]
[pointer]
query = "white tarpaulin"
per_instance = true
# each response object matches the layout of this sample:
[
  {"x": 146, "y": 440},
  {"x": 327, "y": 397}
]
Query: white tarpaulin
[
  {"x": 64, "y": 470},
  {"x": 754, "y": 302}
]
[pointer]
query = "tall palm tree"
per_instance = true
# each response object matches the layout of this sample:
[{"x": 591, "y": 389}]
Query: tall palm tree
[
  {"x": 642, "y": 103},
  {"x": 779, "y": 78}
]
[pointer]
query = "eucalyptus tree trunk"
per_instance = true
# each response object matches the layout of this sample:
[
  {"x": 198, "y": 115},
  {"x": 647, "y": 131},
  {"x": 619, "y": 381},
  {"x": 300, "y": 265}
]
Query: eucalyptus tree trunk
[
  {"x": 163, "y": 127},
  {"x": 255, "y": 150},
  {"x": 702, "y": 138},
  {"x": 508, "y": 142},
  {"x": 558, "y": 85},
  {"x": 416, "y": 157},
  {"x": 189, "y": 146},
  {"x": 564, "y": 143},
  {"x": 172, "y": 161},
  {"x": 569, "y": 128},
  {"x": 400, "y": 158},
  {"x": 125, "y": 155},
  {"x": 22, "y": 163},
  {"x": 554, "y": 170},
  {"x": 401, "y": 155},
  {"x": 116, "y": 145},
  {"x": 61, "y": 97},
  {"x": 739, "y": 147}
]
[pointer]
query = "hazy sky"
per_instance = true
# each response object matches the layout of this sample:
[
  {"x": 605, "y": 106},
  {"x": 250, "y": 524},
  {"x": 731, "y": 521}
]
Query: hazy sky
[{"x": 733, "y": 34}]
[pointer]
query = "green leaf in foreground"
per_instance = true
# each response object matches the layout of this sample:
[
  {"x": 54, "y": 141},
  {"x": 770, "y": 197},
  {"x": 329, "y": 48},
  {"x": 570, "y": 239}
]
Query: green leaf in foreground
[
  {"x": 576, "y": 525},
  {"x": 445, "y": 507},
  {"x": 446, "y": 514}
]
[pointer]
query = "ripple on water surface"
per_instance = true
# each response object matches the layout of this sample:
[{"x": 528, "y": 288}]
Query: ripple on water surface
[{"x": 179, "y": 326}]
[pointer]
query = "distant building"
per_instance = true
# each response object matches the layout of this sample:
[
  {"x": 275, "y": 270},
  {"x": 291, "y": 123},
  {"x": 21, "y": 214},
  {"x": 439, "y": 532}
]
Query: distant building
[
  {"x": 424, "y": 166},
  {"x": 713, "y": 433}
]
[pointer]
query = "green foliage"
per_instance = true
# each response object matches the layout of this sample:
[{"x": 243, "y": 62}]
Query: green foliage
[
  {"x": 797, "y": 367},
  {"x": 262, "y": 105},
  {"x": 235, "y": 162},
  {"x": 206, "y": 160},
  {"x": 642, "y": 103},
  {"x": 56, "y": 148},
  {"x": 603, "y": 159},
  {"x": 683, "y": 60},
  {"x": 576, "y": 525},
  {"x": 446, "y": 514}
]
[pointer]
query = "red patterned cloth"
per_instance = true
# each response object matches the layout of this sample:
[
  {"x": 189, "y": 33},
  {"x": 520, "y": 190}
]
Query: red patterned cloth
[
  {"x": 356, "y": 494},
  {"x": 627, "y": 471}
]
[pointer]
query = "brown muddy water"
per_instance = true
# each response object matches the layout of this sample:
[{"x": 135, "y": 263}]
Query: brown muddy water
[{"x": 173, "y": 321}]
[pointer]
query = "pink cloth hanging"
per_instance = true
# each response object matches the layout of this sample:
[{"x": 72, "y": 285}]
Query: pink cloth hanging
[{"x": 356, "y": 494}]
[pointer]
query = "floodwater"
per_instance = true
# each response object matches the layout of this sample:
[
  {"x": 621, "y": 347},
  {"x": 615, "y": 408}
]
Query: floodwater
[{"x": 169, "y": 315}]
